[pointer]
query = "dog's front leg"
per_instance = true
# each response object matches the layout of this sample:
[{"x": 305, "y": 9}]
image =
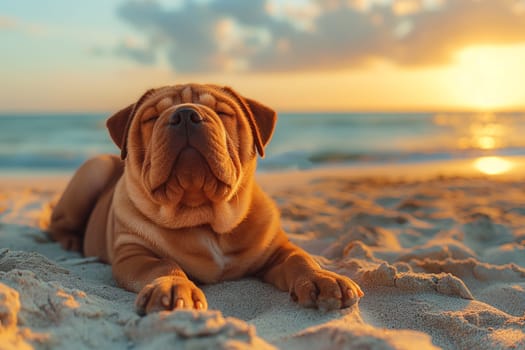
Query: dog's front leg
[
  {"x": 292, "y": 269},
  {"x": 161, "y": 283}
]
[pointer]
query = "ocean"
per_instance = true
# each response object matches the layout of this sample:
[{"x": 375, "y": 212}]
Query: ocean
[{"x": 60, "y": 143}]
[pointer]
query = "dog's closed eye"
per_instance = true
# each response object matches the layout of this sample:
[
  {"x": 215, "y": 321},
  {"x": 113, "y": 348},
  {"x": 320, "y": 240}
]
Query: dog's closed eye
[
  {"x": 150, "y": 115},
  {"x": 150, "y": 119},
  {"x": 225, "y": 115},
  {"x": 224, "y": 110}
]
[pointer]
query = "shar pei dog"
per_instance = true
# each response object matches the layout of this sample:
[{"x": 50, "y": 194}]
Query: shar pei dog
[{"x": 180, "y": 207}]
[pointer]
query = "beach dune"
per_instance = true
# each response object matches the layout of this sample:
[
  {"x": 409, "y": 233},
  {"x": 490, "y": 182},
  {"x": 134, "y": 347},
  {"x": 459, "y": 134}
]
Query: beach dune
[{"x": 441, "y": 261}]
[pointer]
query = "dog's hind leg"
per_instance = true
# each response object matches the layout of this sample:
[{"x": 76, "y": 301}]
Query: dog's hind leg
[{"x": 71, "y": 214}]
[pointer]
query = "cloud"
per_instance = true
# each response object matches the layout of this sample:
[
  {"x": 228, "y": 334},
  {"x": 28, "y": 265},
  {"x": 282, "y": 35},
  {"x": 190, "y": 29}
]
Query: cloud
[
  {"x": 7, "y": 23},
  {"x": 275, "y": 35},
  {"x": 132, "y": 48},
  {"x": 13, "y": 24}
]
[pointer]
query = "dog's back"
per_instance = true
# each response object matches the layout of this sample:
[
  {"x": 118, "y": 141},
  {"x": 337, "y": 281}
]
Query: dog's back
[{"x": 85, "y": 205}]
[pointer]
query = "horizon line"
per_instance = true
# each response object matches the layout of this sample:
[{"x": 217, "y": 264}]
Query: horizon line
[{"x": 4, "y": 113}]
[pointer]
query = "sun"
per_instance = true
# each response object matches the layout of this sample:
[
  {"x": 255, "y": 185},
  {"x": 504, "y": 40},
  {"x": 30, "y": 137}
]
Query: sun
[{"x": 489, "y": 77}]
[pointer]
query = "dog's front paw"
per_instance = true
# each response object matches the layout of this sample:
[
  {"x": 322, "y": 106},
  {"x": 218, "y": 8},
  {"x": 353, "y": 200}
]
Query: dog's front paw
[
  {"x": 325, "y": 290},
  {"x": 169, "y": 293}
]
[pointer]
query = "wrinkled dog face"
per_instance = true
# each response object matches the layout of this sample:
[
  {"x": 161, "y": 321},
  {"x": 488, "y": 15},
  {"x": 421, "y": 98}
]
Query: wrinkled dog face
[
  {"x": 187, "y": 142},
  {"x": 190, "y": 145}
]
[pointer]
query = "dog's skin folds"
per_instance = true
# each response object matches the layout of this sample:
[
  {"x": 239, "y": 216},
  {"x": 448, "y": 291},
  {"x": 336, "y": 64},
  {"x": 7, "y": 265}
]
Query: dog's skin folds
[{"x": 180, "y": 207}]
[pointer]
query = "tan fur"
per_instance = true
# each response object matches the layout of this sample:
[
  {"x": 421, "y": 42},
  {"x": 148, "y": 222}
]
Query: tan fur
[{"x": 183, "y": 206}]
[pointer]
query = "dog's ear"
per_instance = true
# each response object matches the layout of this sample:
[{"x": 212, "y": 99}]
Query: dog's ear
[
  {"x": 118, "y": 124},
  {"x": 262, "y": 119}
]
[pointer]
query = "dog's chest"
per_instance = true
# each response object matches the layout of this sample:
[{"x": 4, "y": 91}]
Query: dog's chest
[
  {"x": 209, "y": 257},
  {"x": 220, "y": 259}
]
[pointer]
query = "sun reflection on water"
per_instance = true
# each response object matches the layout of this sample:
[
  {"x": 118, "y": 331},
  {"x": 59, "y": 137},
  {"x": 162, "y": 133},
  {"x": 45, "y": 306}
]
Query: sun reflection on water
[
  {"x": 493, "y": 165},
  {"x": 486, "y": 134},
  {"x": 485, "y": 131},
  {"x": 486, "y": 142}
]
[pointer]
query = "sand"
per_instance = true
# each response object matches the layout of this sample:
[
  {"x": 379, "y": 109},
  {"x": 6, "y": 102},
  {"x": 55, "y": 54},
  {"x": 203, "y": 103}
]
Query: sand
[{"x": 441, "y": 260}]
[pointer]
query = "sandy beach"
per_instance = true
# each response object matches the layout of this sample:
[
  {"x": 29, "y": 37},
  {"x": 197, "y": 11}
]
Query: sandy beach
[
  {"x": 389, "y": 133},
  {"x": 441, "y": 260}
]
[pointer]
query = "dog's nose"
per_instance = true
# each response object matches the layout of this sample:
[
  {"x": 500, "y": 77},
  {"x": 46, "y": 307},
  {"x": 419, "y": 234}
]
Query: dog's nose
[{"x": 185, "y": 114}]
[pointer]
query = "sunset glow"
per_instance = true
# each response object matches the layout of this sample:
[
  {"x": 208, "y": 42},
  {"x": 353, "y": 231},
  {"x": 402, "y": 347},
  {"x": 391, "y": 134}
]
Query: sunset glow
[
  {"x": 489, "y": 77},
  {"x": 294, "y": 55}
]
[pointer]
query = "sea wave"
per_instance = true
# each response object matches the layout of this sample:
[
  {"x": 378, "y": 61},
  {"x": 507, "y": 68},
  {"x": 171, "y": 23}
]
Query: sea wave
[
  {"x": 309, "y": 160},
  {"x": 61, "y": 161},
  {"x": 301, "y": 141}
]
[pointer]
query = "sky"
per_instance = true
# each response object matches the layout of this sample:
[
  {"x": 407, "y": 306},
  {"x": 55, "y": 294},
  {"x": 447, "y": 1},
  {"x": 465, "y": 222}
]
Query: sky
[{"x": 294, "y": 55}]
